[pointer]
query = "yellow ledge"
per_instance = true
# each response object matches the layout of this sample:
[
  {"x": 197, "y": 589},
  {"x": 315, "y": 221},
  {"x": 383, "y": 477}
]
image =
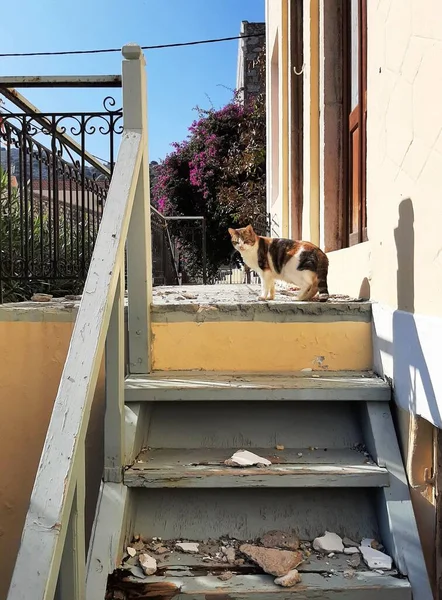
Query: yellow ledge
[{"x": 260, "y": 346}]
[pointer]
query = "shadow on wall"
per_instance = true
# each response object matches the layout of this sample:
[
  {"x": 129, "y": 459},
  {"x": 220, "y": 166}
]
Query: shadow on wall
[{"x": 410, "y": 372}]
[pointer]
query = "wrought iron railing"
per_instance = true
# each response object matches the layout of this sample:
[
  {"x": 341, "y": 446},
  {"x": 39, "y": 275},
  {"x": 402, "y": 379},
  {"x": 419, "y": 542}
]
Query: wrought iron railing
[{"x": 51, "y": 198}]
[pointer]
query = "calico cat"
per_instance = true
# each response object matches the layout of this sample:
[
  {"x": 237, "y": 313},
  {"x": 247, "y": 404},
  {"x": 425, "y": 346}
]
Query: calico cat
[{"x": 300, "y": 263}]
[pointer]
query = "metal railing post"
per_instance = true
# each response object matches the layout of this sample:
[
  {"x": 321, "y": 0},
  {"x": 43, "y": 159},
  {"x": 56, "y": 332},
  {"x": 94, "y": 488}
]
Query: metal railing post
[{"x": 139, "y": 245}]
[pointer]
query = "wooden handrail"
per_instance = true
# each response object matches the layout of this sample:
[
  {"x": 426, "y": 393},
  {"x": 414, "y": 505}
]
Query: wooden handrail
[{"x": 52, "y": 551}]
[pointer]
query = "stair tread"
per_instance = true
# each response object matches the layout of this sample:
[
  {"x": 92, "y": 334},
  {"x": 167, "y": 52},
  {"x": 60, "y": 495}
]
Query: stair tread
[
  {"x": 211, "y": 385},
  {"x": 386, "y": 587},
  {"x": 204, "y": 467}
]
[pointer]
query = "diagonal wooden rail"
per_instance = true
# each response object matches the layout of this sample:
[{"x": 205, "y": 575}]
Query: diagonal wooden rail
[{"x": 51, "y": 558}]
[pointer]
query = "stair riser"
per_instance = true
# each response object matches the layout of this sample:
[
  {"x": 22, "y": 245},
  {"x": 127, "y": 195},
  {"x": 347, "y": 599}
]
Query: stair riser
[{"x": 256, "y": 346}]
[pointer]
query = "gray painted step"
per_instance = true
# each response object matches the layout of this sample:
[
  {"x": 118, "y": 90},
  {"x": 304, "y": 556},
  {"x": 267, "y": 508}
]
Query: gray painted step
[
  {"x": 204, "y": 468},
  {"x": 364, "y": 586},
  {"x": 209, "y": 386}
]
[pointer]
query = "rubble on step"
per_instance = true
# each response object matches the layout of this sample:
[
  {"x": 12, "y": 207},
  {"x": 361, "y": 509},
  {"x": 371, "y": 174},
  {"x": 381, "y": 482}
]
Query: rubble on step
[{"x": 280, "y": 554}]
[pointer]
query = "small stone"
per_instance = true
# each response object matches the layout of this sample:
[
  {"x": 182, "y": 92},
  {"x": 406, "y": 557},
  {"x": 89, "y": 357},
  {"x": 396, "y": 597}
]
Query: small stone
[
  {"x": 329, "y": 542},
  {"x": 148, "y": 564},
  {"x": 189, "y": 296},
  {"x": 354, "y": 561},
  {"x": 239, "y": 562},
  {"x": 189, "y": 547},
  {"x": 280, "y": 447},
  {"x": 41, "y": 298},
  {"x": 331, "y": 555},
  {"x": 299, "y": 454},
  {"x": 349, "y": 574},
  {"x": 280, "y": 539},
  {"x": 272, "y": 561},
  {"x": 225, "y": 576},
  {"x": 244, "y": 458},
  {"x": 289, "y": 580},
  {"x": 348, "y": 543},
  {"x": 161, "y": 550},
  {"x": 379, "y": 572},
  {"x": 351, "y": 551},
  {"x": 374, "y": 559},
  {"x": 229, "y": 554},
  {"x": 131, "y": 551}
]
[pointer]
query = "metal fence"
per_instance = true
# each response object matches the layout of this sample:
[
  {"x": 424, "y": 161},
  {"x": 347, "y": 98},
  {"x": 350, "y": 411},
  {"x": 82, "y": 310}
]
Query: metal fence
[{"x": 52, "y": 194}]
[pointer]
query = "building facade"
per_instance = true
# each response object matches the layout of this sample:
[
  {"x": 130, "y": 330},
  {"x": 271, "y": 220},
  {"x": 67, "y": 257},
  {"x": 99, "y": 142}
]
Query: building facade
[{"x": 354, "y": 97}]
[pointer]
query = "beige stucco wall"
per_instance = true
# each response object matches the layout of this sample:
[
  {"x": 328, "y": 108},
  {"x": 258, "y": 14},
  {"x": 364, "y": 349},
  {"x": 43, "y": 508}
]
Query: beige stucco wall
[
  {"x": 404, "y": 152},
  {"x": 32, "y": 354}
]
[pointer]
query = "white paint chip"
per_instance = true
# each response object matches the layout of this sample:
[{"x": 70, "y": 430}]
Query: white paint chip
[
  {"x": 329, "y": 542},
  {"x": 148, "y": 564},
  {"x": 244, "y": 458},
  {"x": 375, "y": 559},
  {"x": 189, "y": 547}
]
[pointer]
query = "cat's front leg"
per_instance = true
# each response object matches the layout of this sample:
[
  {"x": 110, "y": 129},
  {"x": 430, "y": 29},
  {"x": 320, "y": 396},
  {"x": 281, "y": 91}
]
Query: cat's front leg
[{"x": 267, "y": 285}]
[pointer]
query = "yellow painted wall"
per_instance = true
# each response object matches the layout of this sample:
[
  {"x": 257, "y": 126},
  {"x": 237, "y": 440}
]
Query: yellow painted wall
[
  {"x": 32, "y": 356},
  {"x": 260, "y": 346}
]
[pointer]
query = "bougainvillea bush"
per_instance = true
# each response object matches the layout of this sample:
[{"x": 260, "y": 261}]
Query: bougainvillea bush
[{"x": 218, "y": 172}]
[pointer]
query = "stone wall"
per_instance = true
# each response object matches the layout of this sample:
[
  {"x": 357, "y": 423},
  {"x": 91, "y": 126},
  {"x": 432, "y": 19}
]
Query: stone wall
[{"x": 248, "y": 79}]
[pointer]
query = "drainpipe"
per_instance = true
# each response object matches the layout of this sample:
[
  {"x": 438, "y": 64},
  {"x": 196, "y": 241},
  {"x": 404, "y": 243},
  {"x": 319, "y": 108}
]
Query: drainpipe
[{"x": 286, "y": 130}]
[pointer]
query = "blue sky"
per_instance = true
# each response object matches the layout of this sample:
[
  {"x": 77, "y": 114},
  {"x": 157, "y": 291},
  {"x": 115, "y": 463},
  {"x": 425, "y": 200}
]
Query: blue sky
[{"x": 178, "y": 78}]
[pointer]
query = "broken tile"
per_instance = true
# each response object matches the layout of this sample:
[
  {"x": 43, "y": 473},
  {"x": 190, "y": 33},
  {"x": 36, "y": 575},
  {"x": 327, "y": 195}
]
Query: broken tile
[
  {"x": 272, "y": 561},
  {"x": 189, "y": 547},
  {"x": 375, "y": 559},
  {"x": 137, "y": 572},
  {"x": 244, "y": 458},
  {"x": 148, "y": 564},
  {"x": 280, "y": 539},
  {"x": 329, "y": 542},
  {"x": 351, "y": 551},
  {"x": 225, "y": 576},
  {"x": 289, "y": 580}
]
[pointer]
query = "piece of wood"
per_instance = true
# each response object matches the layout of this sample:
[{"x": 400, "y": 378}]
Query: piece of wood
[
  {"x": 51, "y": 81},
  {"x": 204, "y": 467},
  {"x": 114, "y": 515},
  {"x": 114, "y": 450},
  {"x": 261, "y": 587},
  {"x": 211, "y": 386},
  {"x": 397, "y": 523},
  {"x": 139, "y": 242},
  {"x": 72, "y": 578},
  {"x": 47, "y": 518}
]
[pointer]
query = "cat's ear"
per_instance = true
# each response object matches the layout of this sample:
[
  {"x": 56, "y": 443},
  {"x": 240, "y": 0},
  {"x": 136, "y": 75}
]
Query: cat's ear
[
  {"x": 249, "y": 228},
  {"x": 232, "y": 232}
]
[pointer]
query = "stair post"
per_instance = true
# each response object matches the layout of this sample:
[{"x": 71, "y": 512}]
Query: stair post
[{"x": 139, "y": 246}]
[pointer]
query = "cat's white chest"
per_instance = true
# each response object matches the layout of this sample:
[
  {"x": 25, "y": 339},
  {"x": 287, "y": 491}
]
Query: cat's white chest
[{"x": 250, "y": 257}]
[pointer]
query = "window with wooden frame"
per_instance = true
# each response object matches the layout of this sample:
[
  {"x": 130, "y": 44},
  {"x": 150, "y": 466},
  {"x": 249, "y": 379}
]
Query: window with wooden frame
[{"x": 355, "y": 117}]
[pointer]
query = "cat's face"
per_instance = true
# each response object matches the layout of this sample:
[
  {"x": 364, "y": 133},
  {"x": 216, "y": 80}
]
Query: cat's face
[{"x": 242, "y": 238}]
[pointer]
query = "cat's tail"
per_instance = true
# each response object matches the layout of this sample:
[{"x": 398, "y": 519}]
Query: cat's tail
[{"x": 322, "y": 273}]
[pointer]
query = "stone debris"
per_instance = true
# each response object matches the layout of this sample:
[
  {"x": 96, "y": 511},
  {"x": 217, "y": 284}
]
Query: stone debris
[
  {"x": 349, "y": 573},
  {"x": 148, "y": 564},
  {"x": 272, "y": 561},
  {"x": 279, "y": 447},
  {"x": 329, "y": 542},
  {"x": 225, "y": 576},
  {"x": 229, "y": 554},
  {"x": 289, "y": 580},
  {"x": 375, "y": 559},
  {"x": 189, "y": 547},
  {"x": 41, "y": 298},
  {"x": 189, "y": 296},
  {"x": 351, "y": 551},
  {"x": 354, "y": 561},
  {"x": 280, "y": 539},
  {"x": 131, "y": 551},
  {"x": 348, "y": 543},
  {"x": 244, "y": 458}
]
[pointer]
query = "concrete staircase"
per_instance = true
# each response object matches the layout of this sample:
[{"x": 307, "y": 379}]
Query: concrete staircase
[{"x": 290, "y": 382}]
